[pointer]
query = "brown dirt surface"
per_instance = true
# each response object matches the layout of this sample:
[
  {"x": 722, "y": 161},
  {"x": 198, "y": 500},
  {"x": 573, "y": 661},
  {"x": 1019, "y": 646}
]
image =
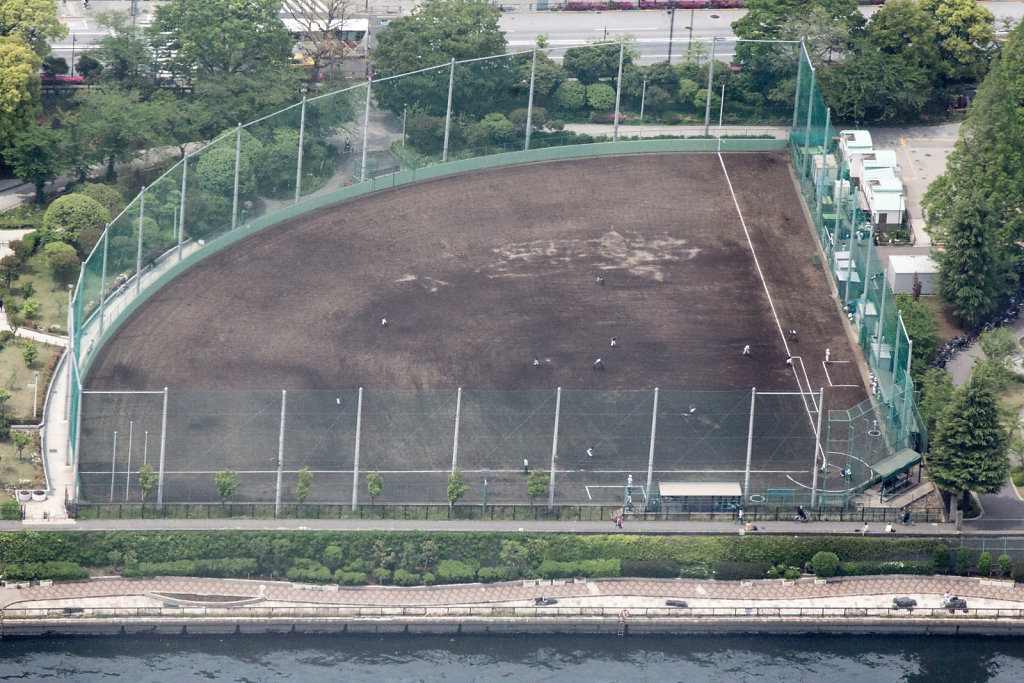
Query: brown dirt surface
[{"x": 479, "y": 273}]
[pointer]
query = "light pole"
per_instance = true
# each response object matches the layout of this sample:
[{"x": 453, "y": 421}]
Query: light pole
[
  {"x": 405, "y": 110},
  {"x": 483, "y": 508},
  {"x": 671, "y": 29},
  {"x": 73, "y": 39},
  {"x": 689, "y": 46},
  {"x": 643, "y": 96},
  {"x": 35, "y": 395}
]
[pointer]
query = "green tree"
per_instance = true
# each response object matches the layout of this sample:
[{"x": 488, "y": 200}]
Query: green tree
[
  {"x": 21, "y": 441},
  {"x": 37, "y": 154},
  {"x": 64, "y": 262},
  {"x": 34, "y": 22},
  {"x": 213, "y": 37},
  {"x": 923, "y": 330},
  {"x": 19, "y": 87},
  {"x": 873, "y": 87},
  {"x": 537, "y": 483},
  {"x": 225, "y": 99},
  {"x": 89, "y": 68},
  {"x": 29, "y": 352},
  {"x": 73, "y": 213},
  {"x": 974, "y": 275},
  {"x": 514, "y": 555},
  {"x": 374, "y": 485},
  {"x": 436, "y": 32},
  {"x": 969, "y": 448},
  {"x": 936, "y": 388},
  {"x": 147, "y": 479},
  {"x": 115, "y": 123},
  {"x": 997, "y": 367},
  {"x": 965, "y": 36},
  {"x": 600, "y": 96},
  {"x": 456, "y": 487},
  {"x": 124, "y": 52},
  {"x": 592, "y": 63},
  {"x": 226, "y": 482},
  {"x": 10, "y": 269},
  {"x": 548, "y": 75},
  {"x": 107, "y": 195},
  {"x": 303, "y": 484},
  {"x": 571, "y": 96},
  {"x": 55, "y": 66},
  {"x": 904, "y": 32}
]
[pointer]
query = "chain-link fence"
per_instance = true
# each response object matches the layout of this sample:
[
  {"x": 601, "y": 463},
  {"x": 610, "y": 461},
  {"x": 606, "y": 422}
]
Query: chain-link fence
[{"x": 889, "y": 421}]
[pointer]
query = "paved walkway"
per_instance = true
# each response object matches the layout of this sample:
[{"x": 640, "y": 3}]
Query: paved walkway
[
  {"x": 614, "y": 593},
  {"x": 654, "y": 130}
]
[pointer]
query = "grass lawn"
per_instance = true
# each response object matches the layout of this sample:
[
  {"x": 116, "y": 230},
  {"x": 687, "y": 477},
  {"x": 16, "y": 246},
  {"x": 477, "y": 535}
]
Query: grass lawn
[
  {"x": 52, "y": 298},
  {"x": 15, "y": 376},
  {"x": 15, "y": 473}
]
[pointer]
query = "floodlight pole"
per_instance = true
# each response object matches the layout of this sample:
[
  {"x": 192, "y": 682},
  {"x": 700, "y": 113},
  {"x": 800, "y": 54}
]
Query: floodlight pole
[
  {"x": 750, "y": 445},
  {"x": 138, "y": 252},
  {"x": 711, "y": 76},
  {"x": 650, "y": 454},
  {"x": 302, "y": 136},
  {"x": 554, "y": 449},
  {"x": 817, "y": 447},
  {"x": 113, "y": 460},
  {"x": 238, "y": 162},
  {"x": 163, "y": 452},
  {"x": 455, "y": 440},
  {"x": 103, "y": 279},
  {"x": 672, "y": 28},
  {"x": 529, "y": 102},
  {"x": 448, "y": 113},
  {"x": 807, "y": 134},
  {"x": 366, "y": 128},
  {"x": 280, "y": 455},
  {"x": 128, "y": 473},
  {"x": 618, "y": 89},
  {"x": 70, "y": 353},
  {"x": 181, "y": 211},
  {"x": 355, "y": 465},
  {"x": 796, "y": 93}
]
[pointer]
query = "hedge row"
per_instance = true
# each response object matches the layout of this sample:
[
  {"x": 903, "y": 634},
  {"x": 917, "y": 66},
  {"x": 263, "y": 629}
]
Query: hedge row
[
  {"x": 580, "y": 6},
  {"x": 43, "y": 571},
  {"x": 226, "y": 568}
]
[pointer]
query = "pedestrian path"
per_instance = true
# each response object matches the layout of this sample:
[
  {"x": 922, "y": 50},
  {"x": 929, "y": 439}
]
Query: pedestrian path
[{"x": 616, "y": 593}]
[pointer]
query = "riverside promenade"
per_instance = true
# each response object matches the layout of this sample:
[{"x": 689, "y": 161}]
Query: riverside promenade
[{"x": 187, "y": 605}]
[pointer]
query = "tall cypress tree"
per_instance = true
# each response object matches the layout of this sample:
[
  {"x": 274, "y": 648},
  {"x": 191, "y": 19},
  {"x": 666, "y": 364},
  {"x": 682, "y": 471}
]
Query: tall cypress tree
[
  {"x": 974, "y": 273},
  {"x": 970, "y": 444}
]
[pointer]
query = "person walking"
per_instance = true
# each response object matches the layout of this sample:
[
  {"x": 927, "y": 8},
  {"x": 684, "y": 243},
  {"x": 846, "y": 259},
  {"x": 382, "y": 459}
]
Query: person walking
[
  {"x": 536, "y": 361},
  {"x": 746, "y": 350},
  {"x": 792, "y": 336},
  {"x": 828, "y": 354},
  {"x": 600, "y": 280},
  {"x": 599, "y": 364},
  {"x": 590, "y": 452},
  {"x": 526, "y": 466},
  {"x": 629, "y": 482},
  {"x": 614, "y": 343},
  {"x": 739, "y": 515},
  {"x": 383, "y": 321}
]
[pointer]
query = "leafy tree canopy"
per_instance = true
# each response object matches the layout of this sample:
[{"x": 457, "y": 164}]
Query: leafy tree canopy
[
  {"x": 923, "y": 330},
  {"x": 35, "y": 22},
  {"x": 124, "y": 52},
  {"x": 212, "y": 37},
  {"x": 37, "y": 154},
  {"x": 19, "y": 86},
  {"x": 965, "y": 36},
  {"x": 436, "y": 32},
  {"x": 75, "y": 212}
]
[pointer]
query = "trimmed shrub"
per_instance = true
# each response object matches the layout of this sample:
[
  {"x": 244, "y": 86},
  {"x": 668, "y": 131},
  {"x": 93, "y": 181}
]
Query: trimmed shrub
[
  {"x": 735, "y": 571},
  {"x": 429, "y": 579},
  {"x": 308, "y": 571},
  {"x": 551, "y": 569},
  {"x": 985, "y": 564},
  {"x": 792, "y": 574},
  {"x": 334, "y": 558},
  {"x": 492, "y": 574},
  {"x": 1005, "y": 564},
  {"x": 453, "y": 571},
  {"x": 883, "y": 568},
  {"x": 350, "y": 578},
  {"x": 941, "y": 558},
  {"x": 404, "y": 578},
  {"x": 663, "y": 568},
  {"x": 825, "y": 564},
  {"x": 107, "y": 195},
  {"x": 74, "y": 212},
  {"x": 381, "y": 575},
  {"x": 10, "y": 509},
  {"x": 360, "y": 565},
  {"x": 42, "y": 571},
  {"x": 964, "y": 559},
  {"x": 1017, "y": 475},
  {"x": 694, "y": 571}
]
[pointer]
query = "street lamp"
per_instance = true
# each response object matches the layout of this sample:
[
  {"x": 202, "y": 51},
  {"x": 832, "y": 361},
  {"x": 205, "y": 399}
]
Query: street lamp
[
  {"x": 671, "y": 29},
  {"x": 405, "y": 109},
  {"x": 73, "y": 39},
  {"x": 689, "y": 46},
  {"x": 483, "y": 508},
  {"x": 35, "y": 395}
]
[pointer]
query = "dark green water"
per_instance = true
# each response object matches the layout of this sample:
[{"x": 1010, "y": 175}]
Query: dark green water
[{"x": 319, "y": 659}]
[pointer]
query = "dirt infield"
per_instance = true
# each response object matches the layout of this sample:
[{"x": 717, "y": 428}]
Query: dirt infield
[{"x": 477, "y": 274}]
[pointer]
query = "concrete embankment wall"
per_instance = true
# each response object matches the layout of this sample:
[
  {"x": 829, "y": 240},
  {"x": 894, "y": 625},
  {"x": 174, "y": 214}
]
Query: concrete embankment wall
[{"x": 545, "y": 626}]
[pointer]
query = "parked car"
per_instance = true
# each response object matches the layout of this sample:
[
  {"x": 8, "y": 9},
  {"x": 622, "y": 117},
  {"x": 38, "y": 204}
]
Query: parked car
[{"x": 904, "y": 602}]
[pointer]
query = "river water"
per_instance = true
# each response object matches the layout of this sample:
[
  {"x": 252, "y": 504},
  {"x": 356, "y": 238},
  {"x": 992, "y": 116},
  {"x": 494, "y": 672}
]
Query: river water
[{"x": 321, "y": 659}]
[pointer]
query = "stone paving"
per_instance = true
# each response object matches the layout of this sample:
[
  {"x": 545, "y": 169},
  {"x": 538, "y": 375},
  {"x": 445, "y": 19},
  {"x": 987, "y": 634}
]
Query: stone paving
[{"x": 632, "y": 593}]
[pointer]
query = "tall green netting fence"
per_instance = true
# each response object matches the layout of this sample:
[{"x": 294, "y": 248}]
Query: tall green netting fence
[{"x": 889, "y": 420}]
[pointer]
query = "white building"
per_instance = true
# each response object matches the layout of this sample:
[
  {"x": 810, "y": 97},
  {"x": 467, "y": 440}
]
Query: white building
[
  {"x": 903, "y": 268},
  {"x": 869, "y": 160},
  {"x": 881, "y": 197},
  {"x": 851, "y": 141}
]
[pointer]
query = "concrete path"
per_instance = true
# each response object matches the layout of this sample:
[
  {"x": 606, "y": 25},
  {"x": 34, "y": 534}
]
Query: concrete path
[
  {"x": 613, "y": 593},
  {"x": 654, "y": 130}
]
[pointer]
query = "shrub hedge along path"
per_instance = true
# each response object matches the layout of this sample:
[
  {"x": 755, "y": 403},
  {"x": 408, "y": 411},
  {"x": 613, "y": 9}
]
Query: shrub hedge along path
[{"x": 620, "y": 593}]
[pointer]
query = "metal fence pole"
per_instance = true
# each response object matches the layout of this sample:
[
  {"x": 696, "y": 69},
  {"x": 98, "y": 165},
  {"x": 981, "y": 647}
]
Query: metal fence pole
[
  {"x": 807, "y": 134},
  {"x": 819, "y": 186},
  {"x": 128, "y": 472},
  {"x": 711, "y": 75},
  {"x": 554, "y": 449},
  {"x": 138, "y": 252},
  {"x": 238, "y": 162},
  {"x": 355, "y": 464},
  {"x": 455, "y": 440},
  {"x": 650, "y": 454},
  {"x": 113, "y": 460},
  {"x": 103, "y": 279},
  {"x": 799, "y": 78},
  {"x": 181, "y": 211},
  {"x": 750, "y": 445},
  {"x": 302, "y": 137},
  {"x": 618, "y": 90},
  {"x": 817, "y": 445},
  {"x": 448, "y": 114},
  {"x": 163, "y": 452},
  {"x": 366, "y": 129},
  {"x": 529, "y": 101},
  {"x": 280, "y": 455}
]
